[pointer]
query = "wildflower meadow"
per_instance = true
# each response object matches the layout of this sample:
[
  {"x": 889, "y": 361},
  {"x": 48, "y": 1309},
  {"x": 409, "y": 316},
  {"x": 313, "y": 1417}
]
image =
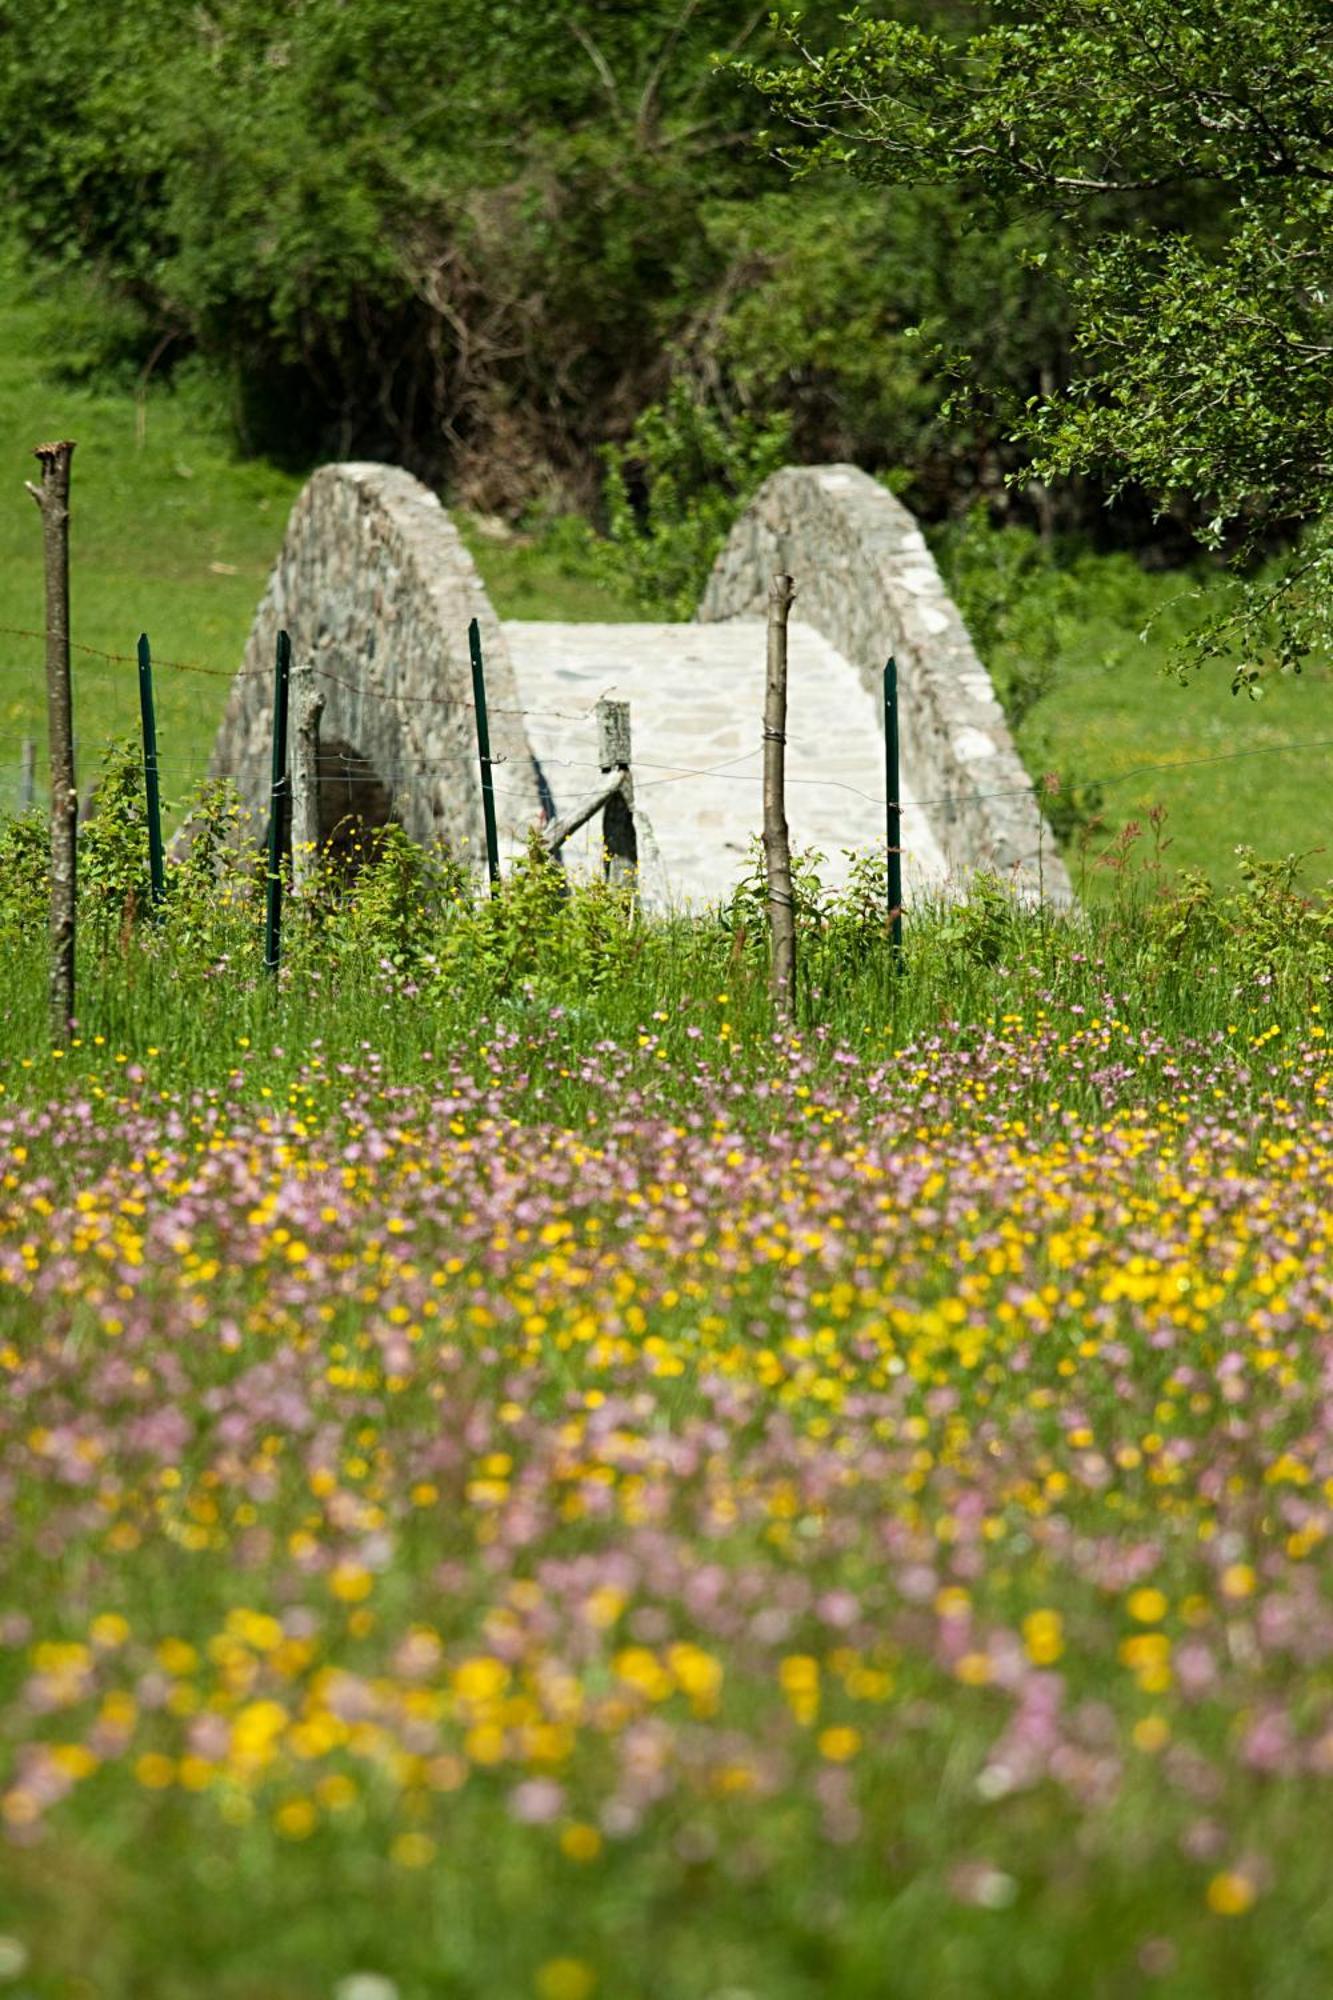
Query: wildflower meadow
[{"x": 523, "y": 1475}]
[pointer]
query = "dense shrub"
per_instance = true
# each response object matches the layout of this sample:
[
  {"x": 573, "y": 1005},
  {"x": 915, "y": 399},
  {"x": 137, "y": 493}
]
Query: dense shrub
[{"x": 481, "y": 239}]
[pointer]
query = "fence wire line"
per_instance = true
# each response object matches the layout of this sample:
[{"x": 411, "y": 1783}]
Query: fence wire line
[
  {"x": 677, "y": 774},
  {"x": 321, "y": 673},
  {"x": 347, "y": 769},
  {"x": 673, "y": 773},
  {"x": 265, "y": 673}
]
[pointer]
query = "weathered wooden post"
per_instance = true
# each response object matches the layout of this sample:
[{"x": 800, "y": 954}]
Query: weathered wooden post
[
  {"x": 52, "y": 497},
  {"x": 777, "y": 845},
  {"x": 309, "y": 705},
  {"x": 618, "y": 837},
  {"x": 27, "y": 774},
  {"x": 613, "y": 754}
]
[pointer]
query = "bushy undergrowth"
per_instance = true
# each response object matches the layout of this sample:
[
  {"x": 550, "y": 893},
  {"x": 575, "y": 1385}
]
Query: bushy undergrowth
[
  {"x": 673, "y": 491},
  {"x": 407, "y": 944},
  {"x": 670, "y": 495},
  {"x": 485, "y": 270}
]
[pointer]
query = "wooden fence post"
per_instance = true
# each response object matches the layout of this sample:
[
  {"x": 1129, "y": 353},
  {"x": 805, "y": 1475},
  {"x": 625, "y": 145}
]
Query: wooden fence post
[
  {"x": 613, "y": 753},
  {"x": 52, "y": 497},
  {"x": 777, "y": 845},
  {"x": 27, "y": 774},
  {"x": 309, "y": 705},
  {"x": 618, "y": 836}
]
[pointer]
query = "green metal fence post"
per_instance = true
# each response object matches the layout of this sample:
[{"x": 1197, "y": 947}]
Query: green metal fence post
[
  {"x": 152, "y": 795},
  {"x": 484, "y": 753},
  {"x": 273, "y": 905},
  {"x": 895, "y": 810}
]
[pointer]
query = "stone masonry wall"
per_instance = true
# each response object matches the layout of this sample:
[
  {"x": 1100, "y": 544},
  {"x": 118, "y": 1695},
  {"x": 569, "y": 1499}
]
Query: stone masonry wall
[
  {"x": 374, "y": 585},
  {"x": 866, "y": 580}
]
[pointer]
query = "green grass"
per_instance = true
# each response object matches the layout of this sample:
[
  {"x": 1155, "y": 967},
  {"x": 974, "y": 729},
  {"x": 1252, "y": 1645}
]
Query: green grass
[
  {"x": 1118, "y": 722},
  {"x": 500, "y": 1281},
  {"x": 171, "y": 533},
  {"x": 409, "y": 954},
  {"x": 1115, "y": 709},
  {"x": 545, "y": 574}
]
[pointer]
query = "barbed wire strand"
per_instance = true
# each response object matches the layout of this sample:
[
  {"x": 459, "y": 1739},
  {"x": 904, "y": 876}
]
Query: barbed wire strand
[
  {"x": 321, "y": 673},
  {"x": 673, "y": 773},
  {"x": 363, "y": 771},
  {"x": 1065, "y": 675}
]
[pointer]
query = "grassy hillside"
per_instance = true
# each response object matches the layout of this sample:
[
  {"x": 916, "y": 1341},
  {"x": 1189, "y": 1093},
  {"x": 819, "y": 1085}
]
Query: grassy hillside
[
  {"x": 170, "y": 533},
  {"x": 174, "y": 534},
  {"x": 1134, "y": 738}
]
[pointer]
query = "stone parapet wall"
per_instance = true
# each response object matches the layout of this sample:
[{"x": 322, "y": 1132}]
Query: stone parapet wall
[
  {"x": 867, "y": 581},
  {"x": 376, "y": 589}
]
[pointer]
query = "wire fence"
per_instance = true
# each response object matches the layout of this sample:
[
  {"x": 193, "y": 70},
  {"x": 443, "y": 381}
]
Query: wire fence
[{"x": 23, "y": 749}]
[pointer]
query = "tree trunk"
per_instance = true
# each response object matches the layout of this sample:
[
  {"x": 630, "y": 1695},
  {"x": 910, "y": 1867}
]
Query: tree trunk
[
  {"x": 52, "y": 497},
  {"x": 777, "y": 847}
]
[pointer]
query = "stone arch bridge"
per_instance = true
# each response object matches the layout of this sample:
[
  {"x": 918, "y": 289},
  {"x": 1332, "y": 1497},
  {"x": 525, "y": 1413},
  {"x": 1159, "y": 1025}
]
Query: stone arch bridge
[{"x": 376, "y": 588}]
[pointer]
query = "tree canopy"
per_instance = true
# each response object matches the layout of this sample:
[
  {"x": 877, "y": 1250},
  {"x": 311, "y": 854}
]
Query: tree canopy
[
  {"x": 483, "y": 237},
  {"x": 1182, "y": 158}
]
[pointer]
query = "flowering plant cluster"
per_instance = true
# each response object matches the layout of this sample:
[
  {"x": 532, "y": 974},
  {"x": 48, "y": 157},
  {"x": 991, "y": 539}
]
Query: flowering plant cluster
[{"x": 815, "y": 1506}]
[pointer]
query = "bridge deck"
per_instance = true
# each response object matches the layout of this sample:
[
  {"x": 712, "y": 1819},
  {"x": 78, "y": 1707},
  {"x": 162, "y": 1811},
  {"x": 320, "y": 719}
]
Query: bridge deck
[{"x": 696, "y": 696}]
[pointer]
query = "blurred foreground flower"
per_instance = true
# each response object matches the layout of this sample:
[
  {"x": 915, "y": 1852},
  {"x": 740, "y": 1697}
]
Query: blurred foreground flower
[{"x": 365, "y": 1986}]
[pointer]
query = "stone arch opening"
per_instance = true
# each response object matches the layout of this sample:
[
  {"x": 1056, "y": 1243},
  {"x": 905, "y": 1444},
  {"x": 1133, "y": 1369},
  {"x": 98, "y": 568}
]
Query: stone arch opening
[
  {"x": 376, "y": 591},
  {"x": 355, "y": 804}
]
